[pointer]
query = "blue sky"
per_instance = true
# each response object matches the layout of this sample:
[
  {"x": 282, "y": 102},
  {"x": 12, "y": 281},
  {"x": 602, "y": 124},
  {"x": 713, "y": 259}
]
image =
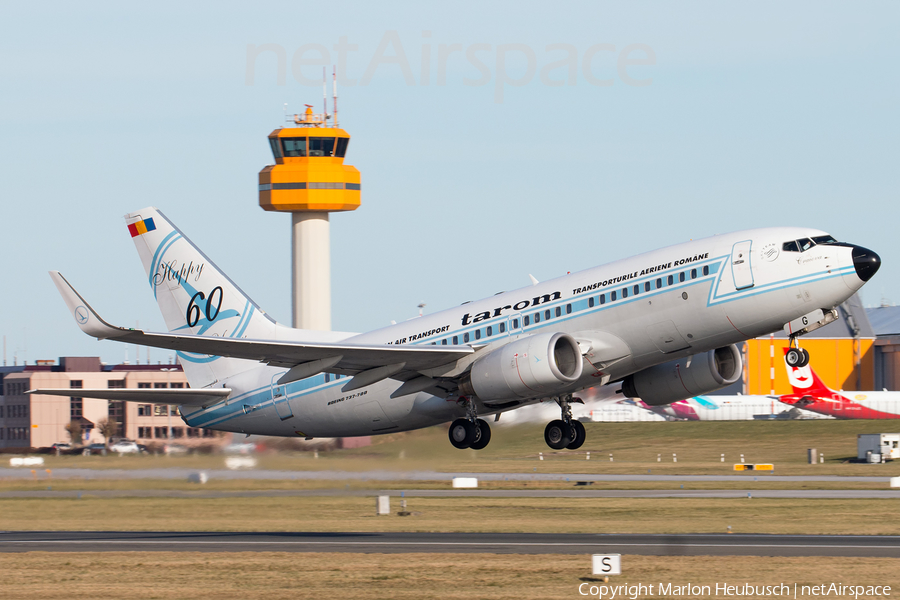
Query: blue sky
[{"x": 752, "y": 114}]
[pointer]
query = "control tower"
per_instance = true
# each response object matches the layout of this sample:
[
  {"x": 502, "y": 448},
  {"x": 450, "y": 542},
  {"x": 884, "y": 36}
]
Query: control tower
[{"x": 309, "y": 180}]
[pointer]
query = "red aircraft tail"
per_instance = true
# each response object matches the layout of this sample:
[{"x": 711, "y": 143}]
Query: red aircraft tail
[{"x": 804, "y": 381}]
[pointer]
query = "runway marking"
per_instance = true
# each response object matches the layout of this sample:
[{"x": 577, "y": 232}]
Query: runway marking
[{"x": 374, "y": 543}]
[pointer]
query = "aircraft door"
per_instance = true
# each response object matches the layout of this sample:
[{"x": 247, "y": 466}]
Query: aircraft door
[
  {"x": 838, "y": 402},
  {"x": 280, "y": 399},
  {"x": 514, "y": 323},
  {"x": 740, "y": 265}
]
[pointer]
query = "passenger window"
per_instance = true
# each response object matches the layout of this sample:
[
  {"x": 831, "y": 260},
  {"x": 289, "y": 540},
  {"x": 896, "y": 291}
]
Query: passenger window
[
  {"x": 612, "y": 296},
  {"x": 526, "y": 320},
  {"x": 705, "y": 270},
  {"x": 502, "y": 327},
  {"x": 646, "y": 286},
  {"x": 327, "y": 377},
  {"x": 568, "y": 309},
  {"x": 547, "y": 315},
  {"x": 466, "y": 337},
  {"x": 693, "y": 273},
  {"x": 455, "y": 340},
  {"x": 681, "y": 276},
  {"x": 658, "y": 283},
  {"x": 591, "y": 302},
  {"x": 624, "y": 292},
  {"x": 537, "y": 317},
  {"x": 790, "y": 247},
  {"x": 670, "y": 280},
  {"x": 636, "y": 290},
  {"x": 444, "y": 342},
  {"x": 490, "y": 331},
  {"x": 477, "y": 334},
  {"x": 559, "y": 311},
  {"x": 515, "y": 323},
  {"x": 602, "y": 298}
]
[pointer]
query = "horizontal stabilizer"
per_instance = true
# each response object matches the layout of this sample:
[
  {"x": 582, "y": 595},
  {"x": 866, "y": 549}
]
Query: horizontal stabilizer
[{"x": 176, "y": 397}]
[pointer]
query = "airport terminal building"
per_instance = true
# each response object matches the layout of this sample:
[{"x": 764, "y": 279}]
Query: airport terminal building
[{"x": 35, "y": 421}]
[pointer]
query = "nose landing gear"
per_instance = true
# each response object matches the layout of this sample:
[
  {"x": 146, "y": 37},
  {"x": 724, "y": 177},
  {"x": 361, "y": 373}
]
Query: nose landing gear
[
  {"x": 796, "y": 356},
  {"x": 470, "y": 432},
  {"x": 565, "y": 432}
]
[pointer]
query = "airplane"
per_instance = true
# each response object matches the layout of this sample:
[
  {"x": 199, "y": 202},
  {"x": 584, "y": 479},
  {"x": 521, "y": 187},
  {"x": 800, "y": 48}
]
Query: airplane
[
  {"x": 728, "y": 408},
  {"x": 664, "y": 324},
  {"x": 811, "y": 393}
]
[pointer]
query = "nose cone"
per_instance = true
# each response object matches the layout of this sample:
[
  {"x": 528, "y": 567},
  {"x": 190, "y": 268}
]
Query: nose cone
[{"x": 865, "y": 262}]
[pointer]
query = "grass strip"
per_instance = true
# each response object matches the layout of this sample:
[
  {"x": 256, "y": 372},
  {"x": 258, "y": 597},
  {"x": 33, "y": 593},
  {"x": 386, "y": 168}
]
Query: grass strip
[{"x": 287, "y": 576}]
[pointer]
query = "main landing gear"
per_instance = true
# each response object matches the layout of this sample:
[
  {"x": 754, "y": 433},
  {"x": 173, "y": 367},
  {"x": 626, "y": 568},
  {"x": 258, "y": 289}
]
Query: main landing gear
[
  {"x": 565, "y": 432},
  {"x": 796, "y": 356},
  {"x": 470, "y": 432}
]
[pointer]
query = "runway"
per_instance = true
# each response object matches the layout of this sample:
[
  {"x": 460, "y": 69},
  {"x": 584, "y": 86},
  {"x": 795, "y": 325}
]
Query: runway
[
  {"x": 466, "y": 543},
  {"x": 384, "y": 475},
  {"x": 449, "y": 493}
]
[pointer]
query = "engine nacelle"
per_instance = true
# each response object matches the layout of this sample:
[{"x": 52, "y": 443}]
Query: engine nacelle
[
  {"x": 686, "y": 377},
  {"x": 531, "y": 367}
]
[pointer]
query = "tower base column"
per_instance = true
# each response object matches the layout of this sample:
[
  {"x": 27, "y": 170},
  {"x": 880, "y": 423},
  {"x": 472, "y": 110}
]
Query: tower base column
[{"x": 311, "y": 270}]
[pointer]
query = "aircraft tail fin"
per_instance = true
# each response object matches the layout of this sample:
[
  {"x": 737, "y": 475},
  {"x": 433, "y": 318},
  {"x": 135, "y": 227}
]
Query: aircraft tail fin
[
  {"x": 195, "y": 296},
  {"x": 804, "y": 380}
]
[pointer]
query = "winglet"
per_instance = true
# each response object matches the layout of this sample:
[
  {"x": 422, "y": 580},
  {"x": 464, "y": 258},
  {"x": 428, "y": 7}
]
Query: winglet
[{"x": 85, "y": 316}]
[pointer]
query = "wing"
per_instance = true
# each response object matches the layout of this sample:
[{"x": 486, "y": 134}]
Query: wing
[
  {"x": 178, "y": 397},
  {"x": 369, "y": 363}
]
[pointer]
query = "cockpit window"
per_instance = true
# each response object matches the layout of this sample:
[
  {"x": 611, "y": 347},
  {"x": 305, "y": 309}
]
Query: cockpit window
[{"x": 804, "y": 244}]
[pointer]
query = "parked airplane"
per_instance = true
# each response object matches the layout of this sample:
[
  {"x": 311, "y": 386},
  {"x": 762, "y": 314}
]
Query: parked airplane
[
  {"x": 729, "y": 408},
  {"x": 810, "y": 393},
  {"x": 664, "y": 323}
]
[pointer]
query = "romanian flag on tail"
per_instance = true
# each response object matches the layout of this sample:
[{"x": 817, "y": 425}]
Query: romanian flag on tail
[{"x": 141, "y": 227}]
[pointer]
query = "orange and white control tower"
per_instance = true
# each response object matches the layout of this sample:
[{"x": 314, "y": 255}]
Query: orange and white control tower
[{"x": 309, "y": 180}]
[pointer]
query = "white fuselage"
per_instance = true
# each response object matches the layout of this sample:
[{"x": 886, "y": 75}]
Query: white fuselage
[{"x": 669, "y": 303}]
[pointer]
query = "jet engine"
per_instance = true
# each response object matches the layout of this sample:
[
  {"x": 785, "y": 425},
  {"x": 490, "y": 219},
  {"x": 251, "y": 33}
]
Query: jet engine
[
  {"x": 685, "y": 377},
  {"x": 530, "y": 367}
]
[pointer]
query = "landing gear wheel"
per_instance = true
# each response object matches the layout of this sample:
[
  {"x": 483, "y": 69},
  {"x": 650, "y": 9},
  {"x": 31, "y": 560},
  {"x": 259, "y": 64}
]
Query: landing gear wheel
[
  {"x": 484, "y": 435},
  {"x": 463, "y": 433},
  {"x": 805, "y": 360},
  {"x": 579, "y": 436},
  {"x": 794, "y": 357},
  {"x": 557, "y": 433}
]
